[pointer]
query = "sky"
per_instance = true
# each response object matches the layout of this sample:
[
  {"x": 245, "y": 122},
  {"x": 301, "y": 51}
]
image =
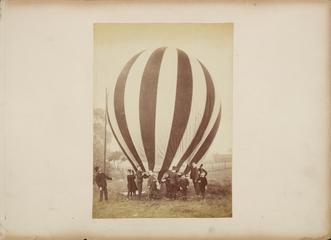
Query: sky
[{"x": 211, "y": 43}]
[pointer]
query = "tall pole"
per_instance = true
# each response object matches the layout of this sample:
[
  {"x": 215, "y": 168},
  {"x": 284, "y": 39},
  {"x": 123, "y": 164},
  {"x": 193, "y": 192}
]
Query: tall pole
[{"x": 105, "y": 142}]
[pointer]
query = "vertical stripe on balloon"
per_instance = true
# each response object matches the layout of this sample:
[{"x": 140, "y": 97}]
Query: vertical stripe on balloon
[
  {"x": 183, "y": 103},
  {"x": 147, "y": 104}
]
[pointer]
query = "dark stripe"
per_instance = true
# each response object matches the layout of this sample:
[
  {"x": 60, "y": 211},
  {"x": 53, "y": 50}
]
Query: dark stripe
[
  {"x": 206, "y": 144},
  {"x": 147, "y": 104},
  {"x": 120, "y": 110},
  {"x": 127, "y": 156},
  {"x": 182, "y": 109},
  {"x": 209, "y": 106}
]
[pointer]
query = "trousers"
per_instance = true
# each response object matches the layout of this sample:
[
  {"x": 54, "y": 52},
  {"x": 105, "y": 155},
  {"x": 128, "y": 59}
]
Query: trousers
[{"x": 103, "y": 192}]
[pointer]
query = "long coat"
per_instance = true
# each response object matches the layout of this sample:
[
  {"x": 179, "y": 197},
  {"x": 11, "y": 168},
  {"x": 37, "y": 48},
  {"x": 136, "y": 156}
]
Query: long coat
[
  {"x": 132, "y": 187},
  {"x": 101, "y": 180}
]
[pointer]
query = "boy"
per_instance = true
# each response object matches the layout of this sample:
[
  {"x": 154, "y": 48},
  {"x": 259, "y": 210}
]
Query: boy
[{"x": 202, "y": 182}]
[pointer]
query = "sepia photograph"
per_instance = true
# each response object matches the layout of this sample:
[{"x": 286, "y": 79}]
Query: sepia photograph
[
  {"x": 162, "y": 130},
  {"x": 165, "y": 119}
]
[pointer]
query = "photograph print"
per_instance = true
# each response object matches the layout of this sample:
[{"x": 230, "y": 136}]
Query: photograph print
[{"x": 162, "y": 120}]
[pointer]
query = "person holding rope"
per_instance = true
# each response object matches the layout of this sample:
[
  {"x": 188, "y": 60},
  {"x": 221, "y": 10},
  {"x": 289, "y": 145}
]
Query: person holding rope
[{"x": 101, "y": 181}]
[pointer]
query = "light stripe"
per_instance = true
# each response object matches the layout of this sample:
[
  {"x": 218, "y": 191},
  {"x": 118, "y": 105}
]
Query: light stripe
[
  {"x": 208, "y": 110},
  {"x": 147, "y": 104},
  {"x": 120, "y": 110},
  {"x": 182, "y": 108},
  {"x": 207, "y": 142}
]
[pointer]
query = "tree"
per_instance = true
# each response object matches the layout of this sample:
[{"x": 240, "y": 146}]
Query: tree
[
  {"x": 117, "y": 155},
  {"x": 99, "y": 136}
]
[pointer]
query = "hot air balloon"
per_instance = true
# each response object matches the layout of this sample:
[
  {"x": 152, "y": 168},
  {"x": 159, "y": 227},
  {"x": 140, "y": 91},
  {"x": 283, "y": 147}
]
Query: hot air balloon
[{"x": 164, "y": 111}]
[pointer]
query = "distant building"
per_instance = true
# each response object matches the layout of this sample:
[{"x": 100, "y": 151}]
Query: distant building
[{"x": 217, "y": 161}]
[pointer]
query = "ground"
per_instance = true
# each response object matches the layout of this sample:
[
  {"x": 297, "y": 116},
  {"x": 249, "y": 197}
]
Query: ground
[{"x": 218, "y": 202}]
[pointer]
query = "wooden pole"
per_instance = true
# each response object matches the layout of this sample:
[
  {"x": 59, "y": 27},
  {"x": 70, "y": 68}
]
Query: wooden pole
[{"x": 105, "y": 142}]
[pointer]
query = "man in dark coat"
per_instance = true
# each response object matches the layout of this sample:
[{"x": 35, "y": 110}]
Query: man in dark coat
[
  {"x": 183, "y": 184},
  {"x": 167, "y": 183},
  {"x": 202, "y": 181},
  {"x": 202, "y": 170},
  {"x": 194, "y": 176},
  {"x": 173, "y": 183},
  {"x": 101, "y": 181}
]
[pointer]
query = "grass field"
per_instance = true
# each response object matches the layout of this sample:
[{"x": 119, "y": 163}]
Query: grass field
[{"x": 218, "y": 202}]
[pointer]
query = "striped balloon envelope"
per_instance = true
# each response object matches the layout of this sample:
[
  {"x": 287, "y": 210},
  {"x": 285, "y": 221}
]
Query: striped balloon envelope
[{"x": 164, "y": 110}]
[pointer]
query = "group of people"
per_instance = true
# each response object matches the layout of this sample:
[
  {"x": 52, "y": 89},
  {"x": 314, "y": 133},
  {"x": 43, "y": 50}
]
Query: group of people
[
  {"x": 176, "y": 182},
  {"x": 170, "y": 186},
  {"x": 135, "y": 182}
]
